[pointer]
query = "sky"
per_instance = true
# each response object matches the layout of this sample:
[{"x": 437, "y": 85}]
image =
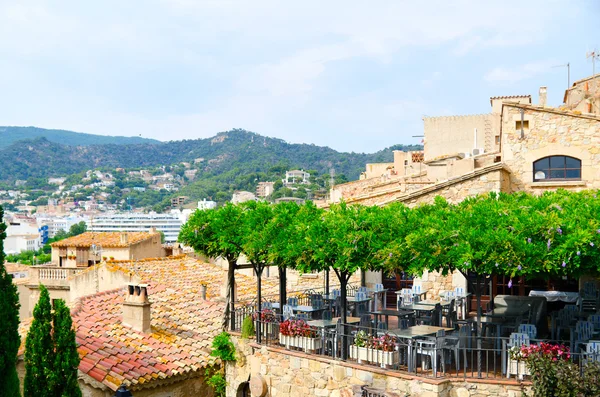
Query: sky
[{"x": 352, "y": 75}]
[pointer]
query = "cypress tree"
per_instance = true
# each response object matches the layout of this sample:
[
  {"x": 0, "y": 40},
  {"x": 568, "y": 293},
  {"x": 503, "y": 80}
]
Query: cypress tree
[
  {"x": 9, "y": 326},
  {"x": 66, "y": 358},
  {"x": 39, "y": 352}
]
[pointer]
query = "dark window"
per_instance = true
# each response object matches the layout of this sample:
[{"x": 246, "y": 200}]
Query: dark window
[{"x": 557, "y": 168}]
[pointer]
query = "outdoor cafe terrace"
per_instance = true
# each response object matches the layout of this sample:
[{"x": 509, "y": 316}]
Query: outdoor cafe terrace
[{"x": 427, "y": 336}]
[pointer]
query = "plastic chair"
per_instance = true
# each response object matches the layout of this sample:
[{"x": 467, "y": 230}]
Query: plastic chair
[
  {"x": 448, "y": 313},
  {"x": 528, "y": 329},
  {"x": 433, "y": 318},
  {"x": 433, "y": 348},
  {"x": 267, "y": 306},
  {"x": 379, "y": 287},
  {"x": 326, "y": 315},
  {"x": 584, "y": 330},
  {"x": 293, "y": 302},
  {"x": 591, "y": 353},
  {"x": 459, "y": 291},
  {"x": 287, "y": 312}
]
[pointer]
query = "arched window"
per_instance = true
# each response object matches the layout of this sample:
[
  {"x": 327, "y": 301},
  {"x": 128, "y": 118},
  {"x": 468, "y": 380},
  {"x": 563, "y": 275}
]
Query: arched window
[{"x": 557, "y": 168}]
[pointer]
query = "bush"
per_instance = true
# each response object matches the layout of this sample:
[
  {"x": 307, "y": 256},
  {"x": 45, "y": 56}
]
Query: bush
[
  {"x": 248, "y": 328},
  {"x": 223, "y": 348}
]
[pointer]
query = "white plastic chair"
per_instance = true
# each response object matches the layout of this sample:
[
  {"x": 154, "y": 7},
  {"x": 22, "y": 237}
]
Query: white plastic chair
[{"x": 528, "y": 329}]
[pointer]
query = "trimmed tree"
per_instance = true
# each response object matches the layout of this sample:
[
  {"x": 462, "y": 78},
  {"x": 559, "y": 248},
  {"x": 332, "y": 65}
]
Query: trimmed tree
[
  {"x": 346, "y": 239},
  {"x": 66, "y": 358},
  {"x": 39, "y": 352},
  {"x": 258, "y": 228},
  {"x": 9, "y": 326},
  {"x": 218, "y": 233}
]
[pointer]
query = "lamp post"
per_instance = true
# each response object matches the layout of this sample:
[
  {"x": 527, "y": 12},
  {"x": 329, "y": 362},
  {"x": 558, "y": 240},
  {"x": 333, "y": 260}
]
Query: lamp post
[{"x": 123, "y": 392}]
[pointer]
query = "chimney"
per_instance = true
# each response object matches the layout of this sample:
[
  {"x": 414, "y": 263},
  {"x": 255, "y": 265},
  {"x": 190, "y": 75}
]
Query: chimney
[
  {"x": 543, "y": 95},
  {"x": 124, "y": 238},
  {"x": 136, "y": 308},
  {"x": 152, "y": 230},
  {"x": 203, "y": 291}
]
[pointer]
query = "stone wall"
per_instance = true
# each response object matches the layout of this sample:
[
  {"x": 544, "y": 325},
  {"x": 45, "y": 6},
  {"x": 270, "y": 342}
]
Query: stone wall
[
  {"x": 292, "y": 373},
  {"x": 456, "y": 134},
  {"x": 550, "y": 132}
]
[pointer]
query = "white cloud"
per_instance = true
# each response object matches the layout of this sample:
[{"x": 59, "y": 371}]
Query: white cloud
[{"x": 264, "y": 65}]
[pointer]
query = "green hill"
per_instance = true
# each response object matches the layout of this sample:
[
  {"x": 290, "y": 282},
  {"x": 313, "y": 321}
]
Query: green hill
[
  {"x": 10, "y": 135},
  {"x": 237, "y": 151}
]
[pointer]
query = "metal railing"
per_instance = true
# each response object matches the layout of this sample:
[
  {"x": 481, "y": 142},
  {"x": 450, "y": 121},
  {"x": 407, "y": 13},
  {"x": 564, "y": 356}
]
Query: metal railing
[{"x": 450, "y": 356}]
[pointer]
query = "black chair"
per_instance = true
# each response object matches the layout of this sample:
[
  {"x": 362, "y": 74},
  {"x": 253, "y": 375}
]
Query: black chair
[{"x": 433, "y": 318}]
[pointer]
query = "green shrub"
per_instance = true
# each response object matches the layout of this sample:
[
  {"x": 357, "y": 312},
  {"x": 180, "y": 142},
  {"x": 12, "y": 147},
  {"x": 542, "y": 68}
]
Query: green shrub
[
  {"x": 248, "y": 328},
  {"x": 216, "y": 380},
  {"x": 223, "y": 348}
]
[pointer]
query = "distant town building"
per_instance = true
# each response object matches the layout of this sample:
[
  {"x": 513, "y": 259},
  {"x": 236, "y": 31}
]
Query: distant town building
[
  {"x": 242, "y": 196},
  {"x": 169, "y": 224},
  {"x": 207, "y": 204},
  {"x": 265, "y": 189},
  {"x": 296, "y": 177},
  {"x": 177, "y": 202},
  {"x": 56, "y": 181},
  {"x": 90, "y": 247}
]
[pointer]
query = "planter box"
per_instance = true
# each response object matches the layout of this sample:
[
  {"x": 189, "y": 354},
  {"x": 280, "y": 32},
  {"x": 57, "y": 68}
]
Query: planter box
[
  {"x": 385, "y": 359},
  {"x": 301, "y": 342},
  {"x": 518, "y": 368},
  {"x": 361, "y": 354}
]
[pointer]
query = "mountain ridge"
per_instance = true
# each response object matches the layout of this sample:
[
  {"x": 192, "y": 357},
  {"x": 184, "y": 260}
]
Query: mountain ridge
[
  {"x": 235, "y": 149},
  {"x": 12, "y": 134}
]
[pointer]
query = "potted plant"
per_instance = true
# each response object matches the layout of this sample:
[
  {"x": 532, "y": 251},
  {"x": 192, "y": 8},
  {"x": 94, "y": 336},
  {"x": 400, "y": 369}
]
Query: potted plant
[
  {"x": 384, "y": 351},
  {"x": 268, "y": 319},
  {"x": 112, "y": 258},
  {"x": 360, "y": 349},
  {"x": 104, "y": 258},
  {"x": 297, "y": 333}
]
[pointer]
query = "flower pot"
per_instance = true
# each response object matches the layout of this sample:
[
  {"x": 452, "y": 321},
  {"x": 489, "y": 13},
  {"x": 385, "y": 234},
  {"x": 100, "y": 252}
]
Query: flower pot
[
  {"x": 518, "y": 368},
  {"x": 386, "y": 359},
  {"x": 301, "y": 342},
  {"x": 361, "y": 354}
]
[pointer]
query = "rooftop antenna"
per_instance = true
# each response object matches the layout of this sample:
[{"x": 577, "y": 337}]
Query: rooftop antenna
[
  {"x": 594, "y": 55},
  {"x": 568, "y": 65}
]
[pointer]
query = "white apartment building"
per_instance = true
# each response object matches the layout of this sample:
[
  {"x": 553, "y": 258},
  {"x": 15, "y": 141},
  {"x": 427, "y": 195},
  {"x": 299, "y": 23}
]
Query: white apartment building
[
  {"x": 296, "y": 177},
  {"x": 17, "y": 243},
  {"x": 207, "y": 205},
  {"x": 169, "y": 224}
]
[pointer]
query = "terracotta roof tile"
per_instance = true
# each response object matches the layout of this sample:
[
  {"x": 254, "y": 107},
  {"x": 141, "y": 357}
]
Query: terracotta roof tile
[{"x": 105, "y": 239}]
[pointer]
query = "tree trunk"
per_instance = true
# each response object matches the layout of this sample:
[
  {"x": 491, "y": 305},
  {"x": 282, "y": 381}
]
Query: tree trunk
[
  {"x": 230, "y": 298},
  {"x": 327, "y": 281},
  {"x": 258, "y": 268},
  {"x": 343, "y": 277},
  {"x": 282, "y": 286},
  {"x": 478, "y": 294}
]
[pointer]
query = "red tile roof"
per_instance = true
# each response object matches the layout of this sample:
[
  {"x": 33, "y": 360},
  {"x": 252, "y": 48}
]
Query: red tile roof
[
  {"x": 105, "y": 239},
  {"x": 182, "y": 331}
]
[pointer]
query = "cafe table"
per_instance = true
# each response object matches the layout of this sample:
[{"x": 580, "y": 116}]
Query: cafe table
[
  {"x": 412, "y": 333},
  {"x": 391, "y": 312},
  {"x": 323, "y": 325},
  {"x": 302, "y": 309},
  {"x": 422, "y": 308}
]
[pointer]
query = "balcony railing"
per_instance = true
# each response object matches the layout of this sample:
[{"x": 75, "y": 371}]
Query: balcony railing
[{"x": 53, "y": 275}]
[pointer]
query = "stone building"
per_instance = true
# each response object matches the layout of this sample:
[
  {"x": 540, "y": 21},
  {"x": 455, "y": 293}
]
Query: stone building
[
  {"x": 518, "y": 146},
  {"x": 73, "y": 255}
]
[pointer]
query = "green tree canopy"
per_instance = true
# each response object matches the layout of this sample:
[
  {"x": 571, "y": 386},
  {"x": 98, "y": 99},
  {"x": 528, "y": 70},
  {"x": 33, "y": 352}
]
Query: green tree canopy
[
  {"x": 9, "y": 326},
  {"x": 39, "y": 352}
]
